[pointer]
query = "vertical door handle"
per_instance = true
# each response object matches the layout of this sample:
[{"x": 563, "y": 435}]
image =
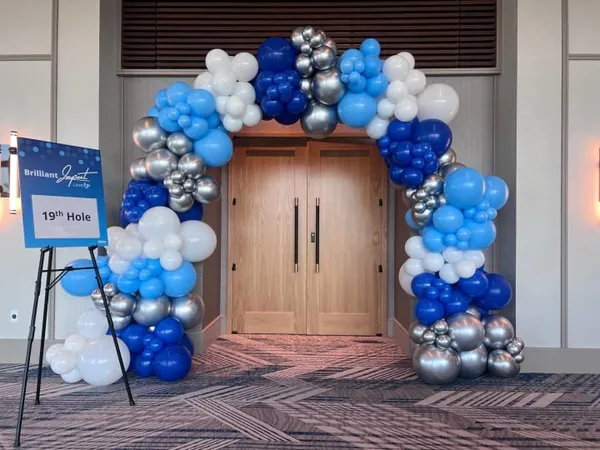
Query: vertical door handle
[
  {"x": 317, "y": 233},
  {"x": 295, "y": 234}
]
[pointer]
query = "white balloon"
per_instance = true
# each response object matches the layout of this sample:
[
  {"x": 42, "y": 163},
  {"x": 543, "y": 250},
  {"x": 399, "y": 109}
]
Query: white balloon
[
  {"x": 415, "y": 81},
  {"x": 114, "y": 234},
  {"x": 433, "y": 262},
  {"x": 203, "y": 80},
  {"x": 52, "y": 351},
  {"x": 396, "y": 67},
  {"x": 222, "y": 104},
  {"x": 134, "y": 231},
  {"x": 385, "y": 108},
  {"x": 415, "y": 248},
  {"x": 452, "y": 254},
  {"x": 172, "y": 242},
  {"x": 407, "y": 109},
  {"x": 245, "y": 91},
  {"x": 244, "y": 66},
  {"x": 414, "y": 266},
  {"x": 224, "y": 82},
  {"x": 409, "y": 57},
  {"x": 217, "y": 59},
  {"x": 76, "y": 343},
  {"x": 129, "y": 247},
  {"x": 396, "y": 91},
  {"x": 252, "y": 116},
  {"x": 476, "y": 256},
  {"x": 171, "y": 260},
  {"x": 158, "y": 222},
  {"x": 448, "y": 274},
  {"x": 99, "y": 364},
  {"x": 118, "y": 264},
  {"x": 63, "y": 362},
  {"x": 235, "y": 106},
  {"x": 438, "y": 101},
  {"x": 199, "y": 240},
  {"x": 92, "y": 324},
  {"x": 72, "y": 377},
  {"x": 154, "y": 248},
  {"x": 465, "y": 268},
  {"x": 377, "y": 127},
  {"x": 405, "y": 280},
  {"x": 232, "y": 124}
]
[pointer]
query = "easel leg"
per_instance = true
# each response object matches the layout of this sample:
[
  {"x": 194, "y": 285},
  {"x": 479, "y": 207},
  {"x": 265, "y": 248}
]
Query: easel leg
[
  {"x": 44, "y": 321},
  {"x": 36, "y": 297},
  {"x": 111, "y": 325}
]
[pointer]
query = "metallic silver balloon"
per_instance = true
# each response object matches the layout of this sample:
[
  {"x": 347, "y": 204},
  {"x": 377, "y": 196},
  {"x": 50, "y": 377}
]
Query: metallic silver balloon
[
  {"x": 305, "y": 48},
  {"x": 498, "y": 331},
  {"x": 122, "y": 304},
  {"x": 183, "y": 203},
  {"x": 473, "y": 363},
  {"x": 433, "y": 184},
  {"x": 331, "y": 44},
  {"x": 160, "y": 163},
  {"x": 137, "y": 169},
  {"x": 447, "y": 158},
  {"x": 519, "y": 342},
  {"x": 176, "y": 190},
  {"x": 421, "y": 195},
  {"x": 322, "y": 58},
  {"x": 501, "y": 364},
  {"x": 319, "y": 121},
  {"x": 189, "y": 310},
  {"x": 317, "y": 39},
  {"x": 97, "y": 300},
  {"x": 110, "y": 290},
  {"x": 189, "y": 185},
  {"x": 513, "y": 348},
  {"x": 440, "y": 326},
  {"x": 179, "y": 144},
  {"x": 304, "y": 66},
  {"x": 308, "y": 32},
  {"x": 192, "y": 166},
  {"x": 466, "y": 331},
  {"x": 422, "y": 218},
  {"x": 150, "y": 311},
  {"x": 415, "y": 332},
  {"x": 305, "y": 86},
  {"x": 121, "y": 322},
  {"x": 448, "y": 169},
  {"x": 327, "y": 86},
  {"x": 207, "y": 190},
  {"x": 434, "y": 365},
  {"x": 148, "y": 135},
  {"x": 168, "y": 182},
  {"x": 177, "y": 176},
  {"x": 297, "y": 38},
  {"x": 519, "y": 358},
  {"x": 474, "y": 311},
  {"x": 443, "y": 341},
  {"x": 429, "y": 336}
]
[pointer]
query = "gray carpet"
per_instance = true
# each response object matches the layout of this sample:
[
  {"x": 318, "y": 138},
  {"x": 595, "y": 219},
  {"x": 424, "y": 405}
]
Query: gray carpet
[{"x": 297, "y": 392}]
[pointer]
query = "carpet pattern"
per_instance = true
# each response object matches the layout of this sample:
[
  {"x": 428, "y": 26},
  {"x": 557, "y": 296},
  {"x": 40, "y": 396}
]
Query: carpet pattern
[{"x": 304, "y": 392}]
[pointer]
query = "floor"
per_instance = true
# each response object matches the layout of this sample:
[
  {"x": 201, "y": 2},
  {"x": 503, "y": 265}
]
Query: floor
[{"x": 298, "y": 392}]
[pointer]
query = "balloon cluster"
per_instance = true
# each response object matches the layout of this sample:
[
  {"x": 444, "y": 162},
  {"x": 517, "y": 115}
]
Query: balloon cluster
[
  {"x": 139, "y": 197},
  {"x": 120, "y": 305}
]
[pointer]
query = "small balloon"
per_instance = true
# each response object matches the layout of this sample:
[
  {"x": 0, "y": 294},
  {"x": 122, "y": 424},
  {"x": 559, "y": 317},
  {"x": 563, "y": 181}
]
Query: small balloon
[
  {"x": 498, "y": 331},
  {"x": 501, "y": 364},
  {"x": 192, "y": 165},
  {"x": 323, "y": 58},
  {"x": 207, "y": 190},
  {"x": 179, "y": 144},
  {"x": 415, "y": 332},
  {"x": 319, "y": 121},
  {"x": 182, "y": 203},
  {"x": 160, "y": 163}
]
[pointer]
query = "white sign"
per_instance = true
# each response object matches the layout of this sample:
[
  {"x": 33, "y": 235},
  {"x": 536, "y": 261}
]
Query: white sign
[{"x": 65, "y": 217}]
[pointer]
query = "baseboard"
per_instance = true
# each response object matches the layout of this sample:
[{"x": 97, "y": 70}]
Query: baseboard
[
  {"x": 561, "y": 360},
  {"x": 12, "y": 351},
  {"x": 211, "y": 332},
  {"x": 401, "y": 337}
]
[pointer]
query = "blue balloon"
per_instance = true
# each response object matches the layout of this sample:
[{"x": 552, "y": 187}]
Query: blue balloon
[
  {"x": 127, "y": 285},
  {"x": 197, "y": 129},
  {"x": 169, "y": 330},
  {"x": 179, "y": 282},
  {"x": 177, "y": 93},
  {"x": 475, "y": 285},
  {"x": 377, "y": 85},
  {"x": 123, "y": 221},
  {"x": 464, "y": 188},
  {"x": 114, "y": 277},
  {"x": 147, "y": 339},
  {"x": 187, "y": 343},
  {"x": 151, "y": 287},
  {"x": 428, "y": 311},
  {"x": 297, "y": 102},
  {"x": 409, "y": 220},
  {"x": 448, "y": 219},
  {"x": 214, "y": 120},
  {"x": 160, "y": 99},
  {"x": 147, "y": 354},
  {"x": 156, "y": 345},
  {"x": 133, "y": 336},
  {"x": 399, "y": 131},
  {"x": 81, "y": 283},
  {"x": 153, "y": 112},
  {"x": 166, "y": 120},
  {"x": 370, "y": 46},
  {"x": 276, "y": 54},
  {"x": 496, "y": 191},
  {"x": 482, "y": 234},
  {"x": 421, "y": 283},
  {"x": 459, "y": 303},
  {"x": 157, "y": 195},
  {"x": 498, "y": 294},
  {"x": 357, "y": 110},
  {"x": 271, "y": 107},
  {"x": 144, "y": 368},
  {"x": 194, "y": 213},
  {"x": 216, "y": 149},
  {"x": 202, "y": 103},
  {"x": 287, "y": 118},
  {"x": 153, "y": 265},
  {"x": 435, "y": 132},
  {"x": 433, "y": 239},
  {"x": 172, "y": 363},
  {"x": 145, "y": 275}
]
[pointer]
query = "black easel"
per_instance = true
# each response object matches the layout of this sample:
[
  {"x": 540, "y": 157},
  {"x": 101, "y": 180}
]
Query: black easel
[{"x": 50, "y": 284}]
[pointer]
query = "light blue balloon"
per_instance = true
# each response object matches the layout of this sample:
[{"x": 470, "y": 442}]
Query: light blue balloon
[
  {"x": 214, "y": 120},
  {"x": 180, "y": 282},
  {"x": 201, "y": 102},
  {"x": 448, "y": 219},
  {"x": 373, "y": 66},
  {"x": 160, "y": 99},
  {"x": 177, "y": 93},
  {"x": 151, "y": 288},
  {"x": 153, "y": 112},
  {"x": 153, "y": 265},
  {"x": 357, "y": 109},
  {"x": 409, "y": 220},
  {"x": 496, "y": 191},
  {"x": 81, "y": 283},
  {"x": 482, "y": 234},
  {"x": 197, "y": 129},
  {"x": 433, "y": 239},
  {"x": 370, "y": 46},
  {"x": 377, "y": 85},
  {"x": 166, "y": 121},
  {"x": 114, "y": 277},
  {"x": 216, "y": 149},
  {"x": 464, "y": 188},
  {"x": 127, "y": 285}
]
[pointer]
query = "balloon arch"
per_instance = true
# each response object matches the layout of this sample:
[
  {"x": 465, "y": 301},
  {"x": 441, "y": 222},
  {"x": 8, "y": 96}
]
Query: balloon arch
[{"x": 148, "y": 271}]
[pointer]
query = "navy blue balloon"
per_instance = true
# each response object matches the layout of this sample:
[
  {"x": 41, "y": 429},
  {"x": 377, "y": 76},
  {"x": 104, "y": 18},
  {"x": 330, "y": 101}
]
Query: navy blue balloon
[
  {"x": 187, "y": 343},
  {"x": 194, "y": 213},
  {"x": 172, "y": 363},
  {"x": 396, "y": 174},
  {"x": 143, "y": 367},
  {"x": 157, "y": 195},
  {"x": 133, "y": 336},
  {"x": 412, "y": 177},
  {"x": 276, "y": 54},
  {"x": 457, "y": 304},
  {"x": 436, "y": 133},
  {"x": 123, "y": 219},
  {"x": 169, "y": 330},
  {"x": 498, "y": 294},
  {"x": 156, "y": 345},
  {"x": 147, "y": 338},
  {"x": 421, "y": 282},
  {"x": 287, "y": 118},
  {"x": 475, "y": 285},
  {"x": 400, "y": 131},
  {"x": 428, "y": 311}
]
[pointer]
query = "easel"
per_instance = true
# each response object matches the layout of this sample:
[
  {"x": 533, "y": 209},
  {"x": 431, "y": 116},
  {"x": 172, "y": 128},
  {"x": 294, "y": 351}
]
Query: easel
[{"x": 50, "y": 284}]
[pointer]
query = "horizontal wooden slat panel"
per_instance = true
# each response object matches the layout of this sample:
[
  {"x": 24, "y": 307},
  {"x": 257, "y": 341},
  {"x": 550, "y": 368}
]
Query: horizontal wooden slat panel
[{"x": 164, "y": 34}]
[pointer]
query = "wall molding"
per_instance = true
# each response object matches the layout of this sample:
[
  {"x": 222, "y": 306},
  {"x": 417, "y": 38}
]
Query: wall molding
[
  {"x": 401, "y": 337},
  {"x": 210, "y": 333}
]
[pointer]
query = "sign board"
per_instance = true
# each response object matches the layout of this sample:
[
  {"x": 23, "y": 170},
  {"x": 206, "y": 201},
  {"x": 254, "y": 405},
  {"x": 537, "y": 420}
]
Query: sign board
[{"x": 62, "y": 196}]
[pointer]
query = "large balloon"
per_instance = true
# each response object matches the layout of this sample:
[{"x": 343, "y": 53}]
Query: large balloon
[
  {"x": 276, "y": 54},
  {"x": 172, "y": 363},
  {"x": 464, "y": 188},
  {"x": 82, "y": 283},
  {"x": 99, "y": 364},
  {"x": 434, "y": 365},
  {"x": 498, "y": 294},
  {"x": 199, "y": 240},
  {"x": 189, "y": 310},
  {"x": 327, "y": 87},
  {"x": 436, "y": 133},
  {"x": 438, "y": 101},
  {"x": 357, "y": 109},
  {"x": 156, "y": 223},
  {"x": 216, "y": 149},
  {"x": 179, "y": 282},
  {"x": 92, "y": 324},
  {"x": 148, "y": 135},
  {"x": 150, "y": 311}
]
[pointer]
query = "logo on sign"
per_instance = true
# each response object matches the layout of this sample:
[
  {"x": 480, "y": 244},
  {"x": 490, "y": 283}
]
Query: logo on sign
[{"x": 76, "y": 180}]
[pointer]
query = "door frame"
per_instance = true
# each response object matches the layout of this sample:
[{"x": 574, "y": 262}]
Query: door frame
[{"x": 385, "y": 306}]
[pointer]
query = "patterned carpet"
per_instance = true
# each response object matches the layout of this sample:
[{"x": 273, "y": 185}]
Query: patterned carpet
[{"x": 298, "y": 392}]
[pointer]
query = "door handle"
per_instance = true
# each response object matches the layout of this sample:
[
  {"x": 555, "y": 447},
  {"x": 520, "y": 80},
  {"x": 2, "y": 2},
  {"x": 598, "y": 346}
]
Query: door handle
[
  {"x": 296, "y": 234},
  {"x": 317, "y": 233}
]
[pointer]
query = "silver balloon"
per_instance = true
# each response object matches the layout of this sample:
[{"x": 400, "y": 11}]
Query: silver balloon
[
  {"x": 433, "y": 184},
  {"x": 322, "y": 58},
  {"x": 474, "y": 311},
  {"x": 192, "y": 166},
  {"x": 176, "y": 191},
  {"x": 415, "y": 332},
  {"x": 473, "y": 363},
  {"x": 519, "y": 342},
  {"x": 519, "y": 358},
  {"x": 168, "y": 182},
  {"x": 331, "y": 44},
  {"x": 179, "y": 144},
  {"x": 466, "y": 331},
  {"x": 122, "y": 304},
  {"x": 148, "y": 135},
  {"x": 207, "y": 190},
  {"x": 513, "y": 348},
  {"x": 429, "y": 336},
  {"x": 97, "y": 300},
  {"x": 443, "y": 341},
  {"x": 440, "y": 326},
  {"x": 448, "y": 169},
  {"x": 434, "y": 365},
  {"x": 177, "y": 176},
  {"x": 327, "y": 86},
  {"x": 501, "y": 364},
  {"x": 422, "y": 218},
  {"x": 317, "y": 39},
  {"x": 304, "y": 66},
  {"x": 305, "y": 48},
  {"x": 447, "y": 158},
  {"x": 121, "y": 322},
  {"x": 297, "y": 38},
  {"x": 137, "y": 169},
  {"x": 150, "y": 311},
  {"x": 110, "y": 290},
  {"x": 305, "y": 86},
  {"x": 319, "y": 121},
  {"x": 308, "y": 32},
  {"x": 160, "y": 163},
  {"x": 189, "y": 185},
  {"x": 498, "y": 331},
  {"x": 181, "y": 204},
  {"x": 189, "y": 310}
]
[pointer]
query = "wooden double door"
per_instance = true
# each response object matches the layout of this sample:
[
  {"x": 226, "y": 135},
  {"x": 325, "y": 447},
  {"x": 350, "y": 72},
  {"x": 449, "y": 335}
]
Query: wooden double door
[{"x": 307, "y": 240}]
